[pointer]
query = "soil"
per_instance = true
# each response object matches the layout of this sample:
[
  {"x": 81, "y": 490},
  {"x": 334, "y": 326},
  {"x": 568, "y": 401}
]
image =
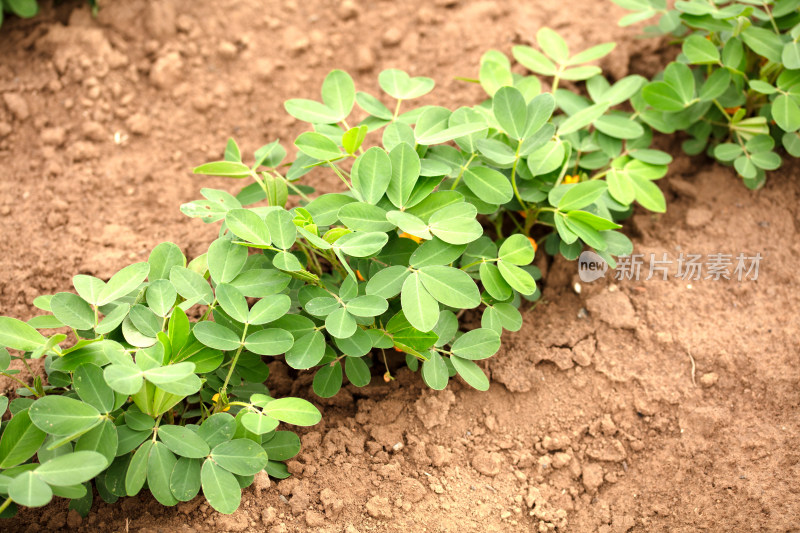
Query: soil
[{"x": 622, "y": 406}]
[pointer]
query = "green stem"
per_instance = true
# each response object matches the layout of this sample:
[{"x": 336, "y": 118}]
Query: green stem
[
  {"x": 463, "y": 169},
  {"x": 722, "y": 109},
  {"x": 341, "y": 176},
  {"x": 20, "y": 382},
  {"x": 222, "y": 391},
  {"x": 5, "y": 505},
  {"x": 397, "y": 110},
  {"x": 208, "y": 311},
  {"x": 289, "y": 184},
  {"x": 514, "y": 175}
]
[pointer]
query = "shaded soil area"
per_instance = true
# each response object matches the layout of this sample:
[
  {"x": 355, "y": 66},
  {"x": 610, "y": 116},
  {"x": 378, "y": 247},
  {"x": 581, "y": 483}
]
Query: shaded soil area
[{"x": 660, "y": 405}]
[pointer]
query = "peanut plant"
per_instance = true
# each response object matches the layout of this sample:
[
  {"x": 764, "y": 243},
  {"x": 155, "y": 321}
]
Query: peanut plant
[
  {"x": 735, "y": 88},
  {"x": 156, "y": 377}
]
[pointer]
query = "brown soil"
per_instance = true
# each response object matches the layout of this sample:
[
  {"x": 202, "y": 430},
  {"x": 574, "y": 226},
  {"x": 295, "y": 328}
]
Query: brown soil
[{"x": 631, "y": 406}]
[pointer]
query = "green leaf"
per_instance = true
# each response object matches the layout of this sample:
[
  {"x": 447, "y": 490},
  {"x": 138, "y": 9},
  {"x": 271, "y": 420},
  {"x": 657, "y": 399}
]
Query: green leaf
[
  {"x": 282, "y": 228},
  {"x": 161, "y": 297},
  {"x": 534, "y": 60},
  {"x": 240, "y": 456},
  {"x": 306, "y": 351},
  {"x": 269, "y": 308},
  {"x": 552, "y": 44},
  {"x": 451, "y": 286},
  {"x": 357, "y": 372},
  {"x": 419, "y": 307},
  {"x": 477, "y": 344},
  {"x": 160, "y": 464},
  {"x": 592, "y": 220},
  {"x": 716, "y": 85},
  {"x": 225, "y": 169},
  {"x": 294, "y": 411},
  {"x": 619, "y": 127},
  {"x": 388, "y": 282},
  {"x": 29, "y": 490},
  {"x": 270, "y": 341},
  {"x": 582, "y": 118},
  {"x": 216, "y": 336},
  {"x": 183, "y": 441},
  {"x": 328, "y": 380},
  {"x": 493, "y": 282},
  {"x": 72, "y": 468},
  {"x": 258, "y": 423},
  {"x": 161, "y": 260},
  {"x": 511, "y": 111},
  {"x": 581, "y": 195},
  {"x": 373, "y": 106},
  {"x": 18, "y": 335},
  {"x": 790, "y": 56},
  {"x": 489, "y": 185},
  {"x": 786, "y": 113},
  {"x": 727, "y": 151},
  {"x": 232, "y": 302},
  {"x": 225, "y": 261},
  {"x": 405, "y": 173},
  {"x": 766, "y": 160},
  {"x": 361, "y": 243},
  {"x": 123, "y": 282},
  {"x": 649, "y": 195},
  {"x": 456, "y": 224},
  {"x": 88, "y": 287},
  {"x": 191, "y": 285},
  {"x": 91, "y": 387},
  {"x": 471, "y": 373},
  {"x": 546, "y": 158},
  {"x": 591, "y": 54},
  {"x": 353, "y": 138},
  {"x": 409, "y": 224},
  {"x": 519, "y": 279},
  {"x": 217, "y": 428},
  {"x": 764, "y": 42},
  {"x": 372, "y": 172},
  {"x": 184, "y": 481},
  {"x": 20, "y": 440},
  {"x": 220, "y": 488},
  {"x": 367, "y": 306},
  {"x": 362, "y": 216},
  {"x": 311, "y": 111},
  {"x": 137, "y": 469},
  {"x": 434, "y": 371},
  {"x": 339, "y": 93},
  {"x": 699, "y": 50},
  {"x": 340, "y": 323},
  {"x": 399, "y": 85},
  {"x": 248, "y": 226},
  {"x": 662, "y": 97},
  {"x": 517, "y": 250},
  {"x": 318, "y": 146},
  {"x": 102, "y": 439},
  {"x": 123, "y": 379},
  {"x": 60, "y": 415}
]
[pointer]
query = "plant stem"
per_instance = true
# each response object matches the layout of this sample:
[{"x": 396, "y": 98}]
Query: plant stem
[
  {"x": 208, "y": 311},
  {"x": 20, "y": 382},
  {"x": 5, "y": 505},
  {"x": 224, "y": 387},
  {"x": 463, "y": 168},
  {"x": 341, "y": 176},
  {"x": 514, "y": 175},
  {"x": 397, "y": 110}
]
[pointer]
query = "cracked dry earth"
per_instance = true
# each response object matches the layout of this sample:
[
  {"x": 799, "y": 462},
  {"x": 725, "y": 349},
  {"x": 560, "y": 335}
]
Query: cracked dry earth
[{"x": 630, "y": 406}]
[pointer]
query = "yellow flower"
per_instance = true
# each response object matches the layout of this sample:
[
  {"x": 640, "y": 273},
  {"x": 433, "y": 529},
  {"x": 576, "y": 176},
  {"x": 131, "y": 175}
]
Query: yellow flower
[
  {"x": 414, "y": 238},
  {"x": 571, "y": 179},
  {"x": 215, "y": 398}
]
